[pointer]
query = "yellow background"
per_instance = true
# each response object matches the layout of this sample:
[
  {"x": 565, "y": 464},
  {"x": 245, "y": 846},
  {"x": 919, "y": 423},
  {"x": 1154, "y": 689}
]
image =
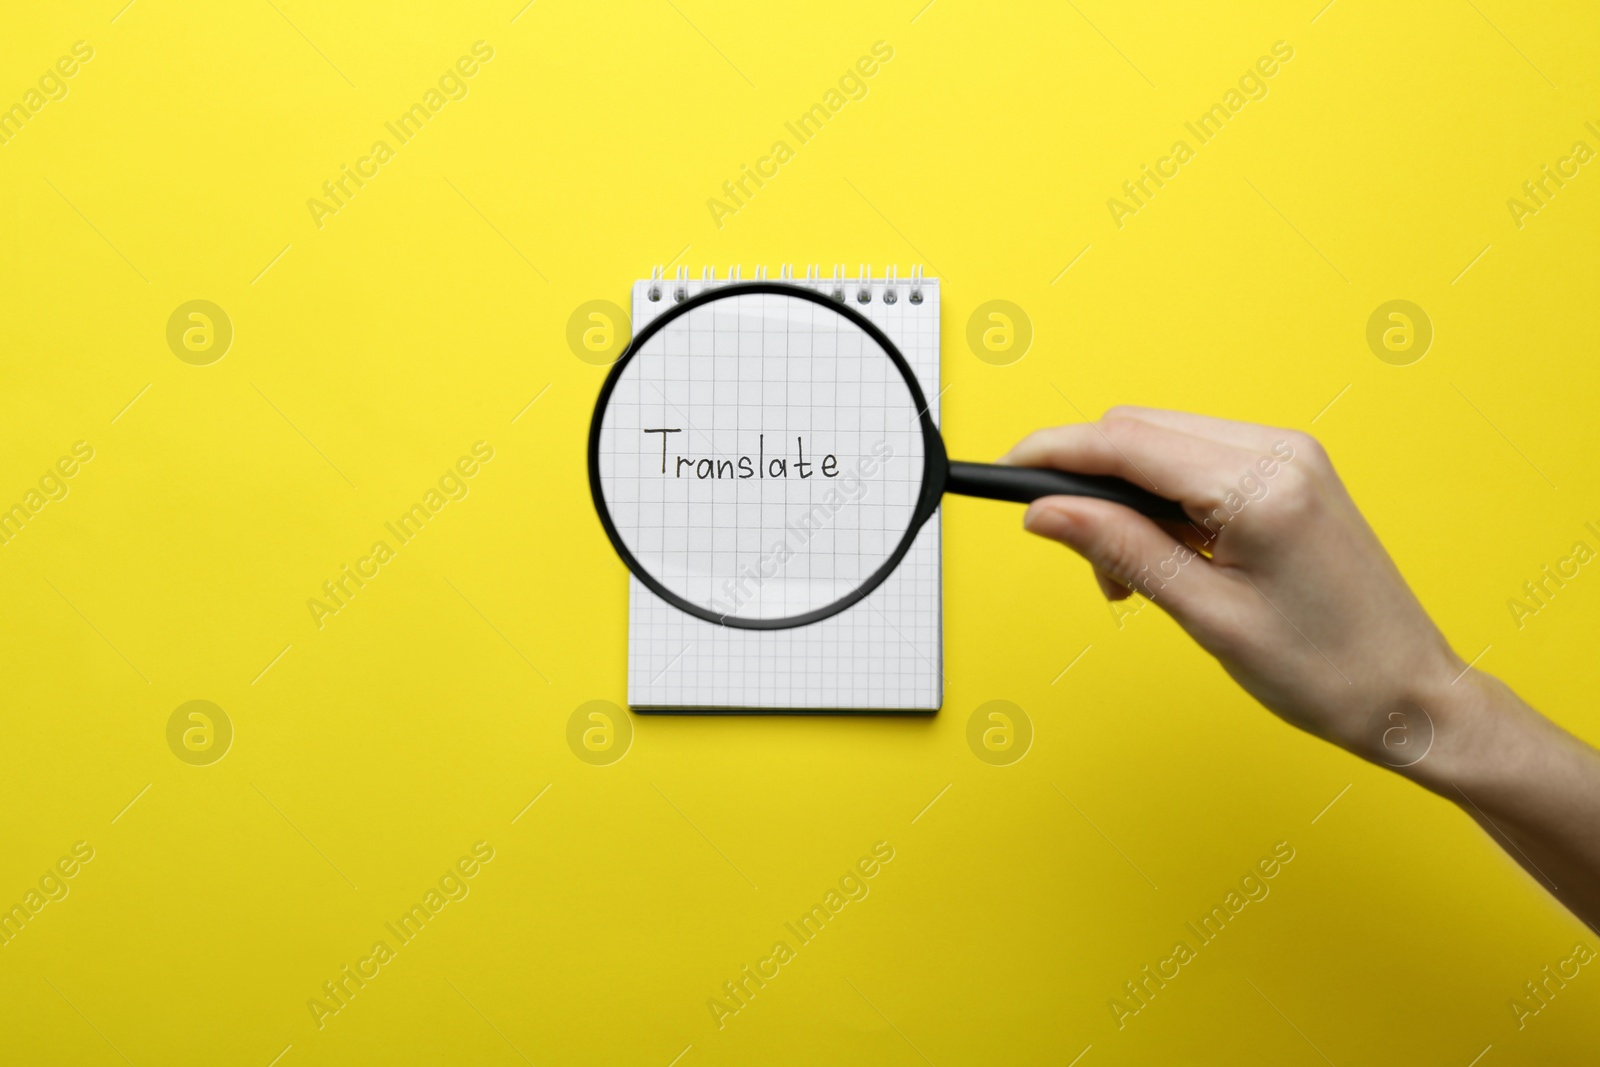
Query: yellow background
[{"x": 423, "y": 718}]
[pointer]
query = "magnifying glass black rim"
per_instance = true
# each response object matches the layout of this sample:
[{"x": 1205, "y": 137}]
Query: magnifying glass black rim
[{"x": 935, "y": 464}]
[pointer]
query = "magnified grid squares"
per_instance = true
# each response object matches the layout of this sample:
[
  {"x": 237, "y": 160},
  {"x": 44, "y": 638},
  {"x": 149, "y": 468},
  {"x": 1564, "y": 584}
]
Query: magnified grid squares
[{"x": 761, "y": 456}]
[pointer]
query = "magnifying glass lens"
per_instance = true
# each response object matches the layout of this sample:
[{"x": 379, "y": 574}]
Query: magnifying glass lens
[{"x": 761, "y": 456}]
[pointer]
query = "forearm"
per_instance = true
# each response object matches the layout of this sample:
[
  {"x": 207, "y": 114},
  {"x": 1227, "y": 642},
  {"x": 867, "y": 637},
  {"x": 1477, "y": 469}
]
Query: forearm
[{"x": 1531, "y": 785}]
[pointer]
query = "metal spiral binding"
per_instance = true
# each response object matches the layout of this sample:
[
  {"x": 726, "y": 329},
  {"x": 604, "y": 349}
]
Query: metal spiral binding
[{"x": 839, "y": 286}]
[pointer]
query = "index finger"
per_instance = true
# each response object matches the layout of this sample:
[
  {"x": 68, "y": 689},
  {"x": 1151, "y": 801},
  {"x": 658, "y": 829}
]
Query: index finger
[
  {"x": 1250, "y": 435},
  {"x": 1169, "y": 462}
]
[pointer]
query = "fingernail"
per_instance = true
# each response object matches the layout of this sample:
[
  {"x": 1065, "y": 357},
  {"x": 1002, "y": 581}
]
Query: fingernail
[{"x": 1046, "y": 521}]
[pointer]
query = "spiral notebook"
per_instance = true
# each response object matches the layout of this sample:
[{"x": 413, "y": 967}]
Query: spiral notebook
[{"x": 885, "y": 653}]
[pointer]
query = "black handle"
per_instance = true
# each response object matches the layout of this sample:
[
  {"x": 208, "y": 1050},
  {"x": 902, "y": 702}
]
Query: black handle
[{"x": 1024, "y": 485}]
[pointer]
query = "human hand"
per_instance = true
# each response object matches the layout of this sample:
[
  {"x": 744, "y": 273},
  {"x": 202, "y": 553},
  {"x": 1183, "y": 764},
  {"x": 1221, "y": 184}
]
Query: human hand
[
  {"x": 1279, "y": 577},
  {"x": 1277, "y": 574}
]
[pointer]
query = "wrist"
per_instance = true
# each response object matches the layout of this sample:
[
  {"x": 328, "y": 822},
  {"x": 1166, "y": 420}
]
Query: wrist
[{"x": 1475, "y": 727}]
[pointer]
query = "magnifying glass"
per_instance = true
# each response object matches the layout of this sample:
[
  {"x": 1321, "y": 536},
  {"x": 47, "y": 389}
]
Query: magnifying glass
[{"x": 762, "y": 457}]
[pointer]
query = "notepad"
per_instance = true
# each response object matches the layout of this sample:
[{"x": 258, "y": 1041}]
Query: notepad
[{"x": 884, "y": 653}]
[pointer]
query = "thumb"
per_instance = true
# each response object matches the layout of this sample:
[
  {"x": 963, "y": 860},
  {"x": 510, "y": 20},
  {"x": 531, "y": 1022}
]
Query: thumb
[{"x": 1128, "y": 549}]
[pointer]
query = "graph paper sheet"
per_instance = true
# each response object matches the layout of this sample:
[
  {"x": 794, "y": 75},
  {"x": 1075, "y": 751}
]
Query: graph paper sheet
[{"x": 885, "y": 653}]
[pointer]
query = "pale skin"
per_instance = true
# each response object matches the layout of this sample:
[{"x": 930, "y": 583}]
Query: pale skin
[{"x": 1281, "y": 579}]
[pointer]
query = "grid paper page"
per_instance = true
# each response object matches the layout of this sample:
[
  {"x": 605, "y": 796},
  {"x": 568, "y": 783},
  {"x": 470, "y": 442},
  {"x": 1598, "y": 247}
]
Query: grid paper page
[{"x": 883, "y": 653}]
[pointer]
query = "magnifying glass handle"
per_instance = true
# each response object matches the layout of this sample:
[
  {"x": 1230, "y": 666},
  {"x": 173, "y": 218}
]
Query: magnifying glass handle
[{"x": 1024, "y": 485}]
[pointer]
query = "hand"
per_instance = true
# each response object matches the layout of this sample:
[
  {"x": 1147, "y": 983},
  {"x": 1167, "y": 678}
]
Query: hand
[{"x": 1278, "y": 575}]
